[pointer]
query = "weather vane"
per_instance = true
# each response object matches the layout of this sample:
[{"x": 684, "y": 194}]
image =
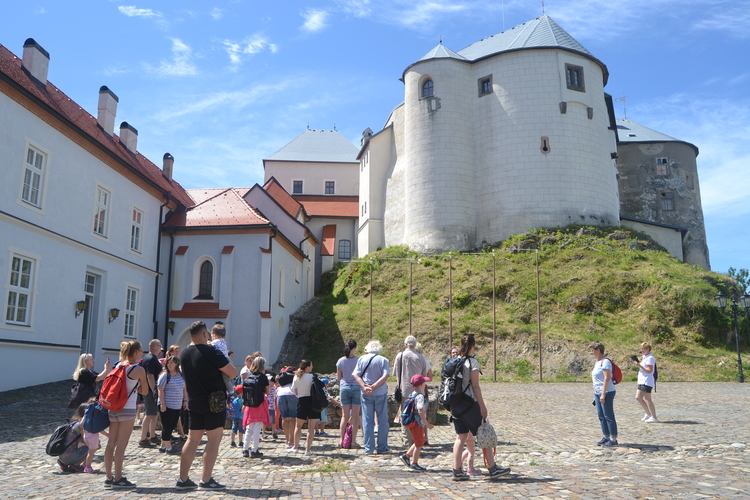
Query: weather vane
[{"x": 624, "y": 106}]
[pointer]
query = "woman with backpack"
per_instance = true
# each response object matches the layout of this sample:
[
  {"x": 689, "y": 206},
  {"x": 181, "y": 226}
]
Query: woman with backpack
[
  {"x": 172, "y": 400},
  {"x": 121, "y": 421},
  {"x": 646, "y": 383},
  {"x": 468, "y": 413},
  {"x": 303, "y": 381},
  {"x": 604, "y": 394},
  {"x": 349, "y": 391},
  {"x": 85, "y": 380}
]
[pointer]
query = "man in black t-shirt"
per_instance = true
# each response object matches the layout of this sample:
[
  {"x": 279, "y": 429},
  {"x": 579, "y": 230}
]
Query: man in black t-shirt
[
  {"x": 202, "y": 367},
  {"x": 151, "y": 364}
]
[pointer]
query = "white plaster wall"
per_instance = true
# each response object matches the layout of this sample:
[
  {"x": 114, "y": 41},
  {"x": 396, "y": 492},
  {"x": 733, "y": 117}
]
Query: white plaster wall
[
  {"x": 519, "y": 187},
  {"x": 290, "y": 227},
  {"x": 394, "y": 218},
  {"x": 440, "y": 209},
  {"x": 671, "y": 239},
  {"x": 314, "y": 174}
]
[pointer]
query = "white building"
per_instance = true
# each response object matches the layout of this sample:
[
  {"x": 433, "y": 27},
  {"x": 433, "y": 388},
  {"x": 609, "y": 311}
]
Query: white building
[
  {"x": 80, "y": 215},
  {"x": 511, "y": 133}
]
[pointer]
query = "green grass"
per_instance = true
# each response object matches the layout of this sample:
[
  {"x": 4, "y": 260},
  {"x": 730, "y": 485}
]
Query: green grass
[
  {"x": 592, "y": 287},
  {"x": 330, "y": 466}
]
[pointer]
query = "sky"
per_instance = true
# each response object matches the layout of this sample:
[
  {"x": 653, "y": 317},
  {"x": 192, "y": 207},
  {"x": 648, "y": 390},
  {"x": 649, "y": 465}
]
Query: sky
[{"x": 223, "y": 84}]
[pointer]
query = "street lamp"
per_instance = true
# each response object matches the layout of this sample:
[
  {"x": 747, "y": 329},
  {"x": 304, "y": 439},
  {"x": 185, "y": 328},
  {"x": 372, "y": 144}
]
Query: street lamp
[{"x": 721, "y": 302}]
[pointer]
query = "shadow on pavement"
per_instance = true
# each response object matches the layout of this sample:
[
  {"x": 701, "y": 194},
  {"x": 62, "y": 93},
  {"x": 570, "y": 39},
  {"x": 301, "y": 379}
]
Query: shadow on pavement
[
  {"x": 681, "y": 422},
  {"x": 647, "y": 447},
  {"x": 243, "y": 493}
]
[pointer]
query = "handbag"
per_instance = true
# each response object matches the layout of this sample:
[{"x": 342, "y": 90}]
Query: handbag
[
  {"x": 486, "y": 435},
  {"x": 217, "y": 401}
]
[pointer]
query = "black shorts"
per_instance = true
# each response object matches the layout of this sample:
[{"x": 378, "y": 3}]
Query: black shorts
[
  {"x": 206, "y": 421},
  {"x": 149, "y": 401},
  {"x": 466, "y": 416},
  {"x": 645, "y": 388},
  {"x": 304, "y": 409}
]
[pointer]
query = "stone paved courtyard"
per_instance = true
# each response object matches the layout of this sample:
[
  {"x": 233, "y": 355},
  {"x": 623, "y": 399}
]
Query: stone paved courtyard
[{"x": 701, "y": 449}]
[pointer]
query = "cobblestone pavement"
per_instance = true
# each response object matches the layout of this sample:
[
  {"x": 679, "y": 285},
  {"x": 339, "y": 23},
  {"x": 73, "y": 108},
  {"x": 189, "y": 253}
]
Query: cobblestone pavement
[{"x": 547, "y": 432}]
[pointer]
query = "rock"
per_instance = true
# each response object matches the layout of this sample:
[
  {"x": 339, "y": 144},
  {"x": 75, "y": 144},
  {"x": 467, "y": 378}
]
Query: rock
[
  {"x": 636, "y": 245},
  {"x": 618, "y": 235},
  {"x": 579, "y": 304},
  {"x": 738, "y": 445}
]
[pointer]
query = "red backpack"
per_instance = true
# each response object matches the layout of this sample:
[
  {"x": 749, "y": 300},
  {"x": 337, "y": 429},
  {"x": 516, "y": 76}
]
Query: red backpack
[
  {"x": 616, "y": 372},
  {"x": 114, "y": 393}
]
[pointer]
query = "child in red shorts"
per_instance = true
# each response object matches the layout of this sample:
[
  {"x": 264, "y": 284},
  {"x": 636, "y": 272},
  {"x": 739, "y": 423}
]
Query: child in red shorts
[{"x": 411, "y": 457}]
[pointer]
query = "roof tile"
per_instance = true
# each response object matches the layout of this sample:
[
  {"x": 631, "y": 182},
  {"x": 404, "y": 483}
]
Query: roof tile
[
  {"x": 219, "y": 207},
  {"x": 318, "y": 146},
  {"x": 329, "y": 206},
  {"x": 200, "y": 310}
]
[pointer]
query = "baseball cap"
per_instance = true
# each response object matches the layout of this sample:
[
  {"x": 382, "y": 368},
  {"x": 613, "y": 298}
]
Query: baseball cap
[{"x": 418, "y": 380}]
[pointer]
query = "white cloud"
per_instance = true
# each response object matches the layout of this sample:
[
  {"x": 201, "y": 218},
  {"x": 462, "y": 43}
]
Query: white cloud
[
  {"x": 239, "y": 51},
  {"x": 181, "y": 63},
  {"x": 735, "y": 21},
  {"x": 358, "y": 8},
  {"x": 154, "y": 15},
  {"x": 217, "y": 13},
  {"x": 315, "y": 20}
]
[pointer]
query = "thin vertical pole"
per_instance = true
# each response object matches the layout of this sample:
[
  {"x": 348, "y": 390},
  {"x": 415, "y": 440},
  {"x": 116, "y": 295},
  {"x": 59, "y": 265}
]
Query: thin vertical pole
[
  {"x": 411, "y": 284},
  {"x": 494, "y": 320},
  {"x": 450, "y": 298},
  {"x": 539, "y": 315},
  {"x": 371, "y": 292}
]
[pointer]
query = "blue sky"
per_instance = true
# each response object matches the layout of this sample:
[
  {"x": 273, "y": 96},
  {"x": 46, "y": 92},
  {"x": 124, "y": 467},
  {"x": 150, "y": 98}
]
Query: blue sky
[{"x": 223, "y": 84}]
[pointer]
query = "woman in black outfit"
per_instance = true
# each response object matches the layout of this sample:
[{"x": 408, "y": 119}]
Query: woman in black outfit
[{"x": 85, "y": 380}]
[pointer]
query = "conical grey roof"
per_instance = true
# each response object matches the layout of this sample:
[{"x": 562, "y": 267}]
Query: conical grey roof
[{"x": 442, "y": 52}]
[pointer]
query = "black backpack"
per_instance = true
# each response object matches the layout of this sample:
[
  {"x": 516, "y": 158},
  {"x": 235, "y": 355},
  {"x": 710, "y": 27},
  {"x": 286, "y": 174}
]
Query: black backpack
[
  {"x": 318, "y": 398},
  {"x": 252, "y": 392},
  {"x": 286, "y": 377},
  {"x": 56, "y": 445},
  {"x": 451, "y": 390}
]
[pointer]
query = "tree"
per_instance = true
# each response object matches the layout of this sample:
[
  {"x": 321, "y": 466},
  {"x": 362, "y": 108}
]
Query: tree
[{"x": 742, "y": 277}]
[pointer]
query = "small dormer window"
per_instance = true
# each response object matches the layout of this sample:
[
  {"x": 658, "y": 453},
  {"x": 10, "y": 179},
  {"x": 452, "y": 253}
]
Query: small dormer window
[
  {"x": 574, "y": 77},
  {"x": 428, "y": 88}
]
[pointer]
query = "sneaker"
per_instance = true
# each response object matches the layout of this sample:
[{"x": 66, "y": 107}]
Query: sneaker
[
  {"x": 173, "y": 451},
  {"x": 156, "y": 440},
  {"x": 187, "y": 484},
  {"x": 384, "y": 452},
  {"x": 651, "y": 420},
  {"x": 611, "y": 442},
  {"x": 603, "y": 441},
  {"x": 89, "y": 470},
  {"x": 293, "y": 450},
  {"x": 233, "y": 445},
  {"x": 246, "y": 453},
  {"x": 122, "y": 484},
  {"x": 645, "y": 417},
  {"x": 496, "y": 471},
  {"x": 275, "y": 436},
  {"x": 145, "y": 443},
  {"x": 460, "y": 475},
  {"x": 74, "y": 468},
  {"x": 309, "y": 453},
  {"x": 417, "y": 467},
  {"x": 162, "y": 449},
  {"x": 211, "y": 485},
  {"x": 279, "y": 431},
  {"x": 63, "y": 467},
  {"x": 256, "y": 454},
  {"x": 405, "y": 458},
  {"x": 108, "y": 482},
  {"x": 324, "y": 433},
  {"x": 474, "y": 472}
]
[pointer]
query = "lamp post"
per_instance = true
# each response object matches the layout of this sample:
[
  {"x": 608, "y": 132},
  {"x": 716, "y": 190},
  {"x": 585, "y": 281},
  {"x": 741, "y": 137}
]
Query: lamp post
[{"x": 721, "y": 302}]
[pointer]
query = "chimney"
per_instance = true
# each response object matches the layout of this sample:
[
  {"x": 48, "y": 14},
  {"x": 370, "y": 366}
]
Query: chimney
[
  {"x": 35, "y": 60},
  {"x": 168, "y": 164},
  {"x": 107, "y": 109},
  {"x": 128, "y": 136},
  {"x": 366, "y": 136}
]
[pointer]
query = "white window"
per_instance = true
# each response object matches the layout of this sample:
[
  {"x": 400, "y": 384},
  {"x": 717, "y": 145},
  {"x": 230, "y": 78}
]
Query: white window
[
  {"x": 101, "y": 211},
  {"x": 33, "y": 177},
  {"x": 136, "y": 230},
  {"x": 330, "y": 187},
  {"x": 20, "y": 282},
  {"x": 131, "y": 312},
  {"x": 428, "y": 89},
  {"x": 345, "y": 249},
  {"x": 296, "y": 187}
]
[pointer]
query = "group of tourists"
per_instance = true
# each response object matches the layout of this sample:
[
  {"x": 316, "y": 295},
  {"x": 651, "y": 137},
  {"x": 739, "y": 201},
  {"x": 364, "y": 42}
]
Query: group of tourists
[{"x": 199, "y": 389}]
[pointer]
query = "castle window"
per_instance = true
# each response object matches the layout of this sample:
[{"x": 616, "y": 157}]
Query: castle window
[
  {"x": 296, "y": 187},
  {"x": 662, "y": 166},
  {"x": 428, "y": 88},
  {"x": 345, "y": 249},
  {"x": 574, "y": 77},
  {"x": 205, "y": 286},
  {"x": 667, "y": 201},
  {"x": 330, "y": 187},
  {"x": 485, "y": 85}
]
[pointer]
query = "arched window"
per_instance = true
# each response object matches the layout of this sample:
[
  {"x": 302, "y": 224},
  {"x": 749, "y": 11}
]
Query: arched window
[
  {"x": 428, "y": 88},
  {"x": 205, "y": 288}
]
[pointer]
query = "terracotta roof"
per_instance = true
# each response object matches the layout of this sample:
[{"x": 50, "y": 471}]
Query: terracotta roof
[
  {"x": 200, "y": 310},
  {"x": 182, "y": 250},
  {"x": 328, "y": 246},
  {"x": 282, "y": 197},
  {"x": 318, "y": 205},
  {"x": 59, "y": 103},
  {"x": 265, "y": 314},
  {"x": 227, "y": 250},
  {"x": 224, "y": 208}
]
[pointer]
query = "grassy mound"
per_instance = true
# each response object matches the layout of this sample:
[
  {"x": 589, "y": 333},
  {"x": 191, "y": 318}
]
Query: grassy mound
[{"x": 610, "y": 284}]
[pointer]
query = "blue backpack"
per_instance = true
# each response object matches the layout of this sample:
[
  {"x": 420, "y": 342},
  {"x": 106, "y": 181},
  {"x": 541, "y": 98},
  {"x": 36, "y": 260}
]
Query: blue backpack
[
  {"x": 409, "y": 413},
  {"x": 95, "y": 418}
]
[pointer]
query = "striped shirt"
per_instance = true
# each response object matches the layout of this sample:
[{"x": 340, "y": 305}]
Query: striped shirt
[{"x": 173, "y": 391}]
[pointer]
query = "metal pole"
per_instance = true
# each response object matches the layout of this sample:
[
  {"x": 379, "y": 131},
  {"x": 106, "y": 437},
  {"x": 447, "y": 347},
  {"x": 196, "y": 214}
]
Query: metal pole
[
  {"x": 539, "y": 315},
  {"x": 494, "y": 321},
  {"x": 450, "y": 298},
  {"x": 411, "y": 284},
  {"x": 741, "y": 376},
  {"x": 371, "y": 292}
]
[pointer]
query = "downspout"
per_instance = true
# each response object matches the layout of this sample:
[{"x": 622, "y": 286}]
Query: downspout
[
  {"x": 300, "y": 247},
  {"x": 270, "y": 284},
  {"x": 168, "y": 308},
  {"x": 158, "y": 262}
]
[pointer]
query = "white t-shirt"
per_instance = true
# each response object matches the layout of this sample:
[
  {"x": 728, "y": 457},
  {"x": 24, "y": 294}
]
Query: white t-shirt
[
  {"x": 303, "y": 384},
  {"x": 645, "y": 378},
  {"x": 597, "y": 376}
]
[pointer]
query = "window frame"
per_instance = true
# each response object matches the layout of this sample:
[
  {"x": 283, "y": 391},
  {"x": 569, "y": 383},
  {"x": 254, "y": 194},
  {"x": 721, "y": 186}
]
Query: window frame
[
  {"x": 136, "y": 227},
  {"x": 206, "y": 270},
  {"x": 332, "y": 186},
  {"x": 131, "y": 309},
  {"x": 341, "y": 244},
  {"x": 574, "y": 69},
  {"x": 301, "y": 186},
  {"x": 481, "y": 83},
  {"x": 29, "y": 291},
  {"x": 424, "y": 86},
  {"x": 107, "y": 208},
  {"x": 662, "y": 167},
  {"x": 196, "y": 289},
  {"x": 667, "y": 201}
]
